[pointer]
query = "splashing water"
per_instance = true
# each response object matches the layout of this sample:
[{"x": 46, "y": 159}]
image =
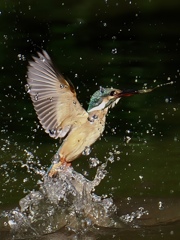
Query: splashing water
[
  {"x": 147, "y": 90},
  {"x": 128, "y": 218},
  {"x": 67, "y": 200}
]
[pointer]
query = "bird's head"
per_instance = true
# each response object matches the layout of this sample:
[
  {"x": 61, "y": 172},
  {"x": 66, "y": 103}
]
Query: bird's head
[{"x": 107, "y": 97}]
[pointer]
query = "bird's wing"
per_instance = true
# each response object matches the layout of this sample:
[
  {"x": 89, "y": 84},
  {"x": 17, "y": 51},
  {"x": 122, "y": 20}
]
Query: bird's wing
[{"x": 54, "y": 98}]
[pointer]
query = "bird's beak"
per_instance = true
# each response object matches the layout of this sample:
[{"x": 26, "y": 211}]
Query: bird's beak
[{"x": 127, "y": 93}]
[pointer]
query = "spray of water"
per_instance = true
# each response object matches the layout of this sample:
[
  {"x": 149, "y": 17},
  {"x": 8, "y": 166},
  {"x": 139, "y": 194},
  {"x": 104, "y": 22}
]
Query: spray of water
[
  {"x": 67, "y": 200},
  {"x": 147, "y": 90}
]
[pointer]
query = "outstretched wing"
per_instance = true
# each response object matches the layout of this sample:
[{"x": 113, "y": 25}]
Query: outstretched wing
[{"x": 53, "y": 97}]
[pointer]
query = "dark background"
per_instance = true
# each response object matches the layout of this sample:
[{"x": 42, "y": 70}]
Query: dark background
[{"x": 123, "y": 44}]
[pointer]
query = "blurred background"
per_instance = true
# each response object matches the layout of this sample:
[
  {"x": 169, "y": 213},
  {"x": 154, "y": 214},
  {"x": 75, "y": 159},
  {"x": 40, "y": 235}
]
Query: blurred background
[{"x": 110, "y": 43}]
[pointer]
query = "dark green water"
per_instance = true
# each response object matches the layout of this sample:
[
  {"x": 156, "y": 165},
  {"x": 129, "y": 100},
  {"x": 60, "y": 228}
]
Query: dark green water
[{"x": 124, "y": 44}]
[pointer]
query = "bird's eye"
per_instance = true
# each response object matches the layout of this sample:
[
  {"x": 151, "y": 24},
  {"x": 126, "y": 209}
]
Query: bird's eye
[{"x": 112, "y": 93}]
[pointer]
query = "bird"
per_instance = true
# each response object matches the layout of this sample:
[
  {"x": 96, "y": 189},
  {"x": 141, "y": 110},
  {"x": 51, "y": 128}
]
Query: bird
[{"x": 61, "y": 114}]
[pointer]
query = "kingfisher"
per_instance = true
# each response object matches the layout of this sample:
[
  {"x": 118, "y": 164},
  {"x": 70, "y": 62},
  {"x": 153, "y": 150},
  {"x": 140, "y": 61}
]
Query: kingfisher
[{"x": 60, "y": 113}]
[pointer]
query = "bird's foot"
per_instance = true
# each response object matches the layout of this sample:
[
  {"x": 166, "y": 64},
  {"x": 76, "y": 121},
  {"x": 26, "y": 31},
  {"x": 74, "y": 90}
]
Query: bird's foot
[{"x": 54, "y": 170}]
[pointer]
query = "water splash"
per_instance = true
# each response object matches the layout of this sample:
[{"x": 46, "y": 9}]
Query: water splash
[
  {"x": 147, "y": 90},
  {"x": 67, "y": 200},
  {"x": 128, "y": 218}
]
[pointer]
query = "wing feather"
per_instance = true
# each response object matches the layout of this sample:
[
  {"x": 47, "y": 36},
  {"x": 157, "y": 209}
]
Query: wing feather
[{"x": 53, "y": 97}]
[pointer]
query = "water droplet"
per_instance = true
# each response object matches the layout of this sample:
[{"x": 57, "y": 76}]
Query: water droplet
[
  {"x": 113, "y": 37},
  {"x": 5, "y": 37},
  {"x": 111, "y": 158},
  {"x": 21, "y": 57},
  {"x": 95, "y": 116},
  {"x": 87, "y": 151},
  {"x": 160, "y": 205},
  {"x": 93, "y": 162},
  {"x": 141, "y": 177},
  {"x": 91, "y": 119},
  {"x": 166, "y": 100},
  {"x": 27, "y": 88},
  {"x": 36, "y": 97},
  {"x": 127, "y": 139},
  {"x": 52, "y": 132},
  {"x": 25, "y": 180},
  {"x": 175, "y": 139},
  {"x": 114, "y": 51}
]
